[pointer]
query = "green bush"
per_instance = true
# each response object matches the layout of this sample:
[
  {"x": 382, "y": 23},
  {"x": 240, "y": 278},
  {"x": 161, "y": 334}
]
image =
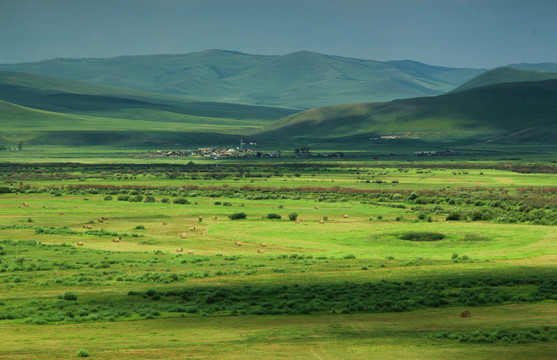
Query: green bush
[
  {"x": 237, "y": 216},
  {"x": 293, "y": 216},
  {"x": 273, "y": 216},
  {"x": 181, "y": 201},
  {"x": 422, "y": 236},
  {"x": 108, "y": 197},
  {"x": 82, "y": 353},
  {"x": 69, "y": 296}
]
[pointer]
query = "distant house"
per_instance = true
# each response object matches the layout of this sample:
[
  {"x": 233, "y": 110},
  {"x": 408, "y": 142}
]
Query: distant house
[
  {"x": 332, "y": 155},
  {"x": 436, "y": 153}
]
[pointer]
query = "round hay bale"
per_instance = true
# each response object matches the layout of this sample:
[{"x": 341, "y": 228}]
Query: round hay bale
[
  {"x": 104, "y": 218},
  {"x": 345, "y": 216},
  {"x": 100, "y": 220},
  {"x": 25, "y": 204},
  {"x": 190, "y": 252},
  {"x": 179, "y": 249},
  {"x": 465, "y": 314},
  {"x": 316, "y": 207},
  {"x": 61, "y": 213},
  {"x": 321, "y": 221},
  {"x": 263, "y": 245},
  {"x": 184, "y": 235},
  {"x": 192, "y": 228},
  {"x": 116, "y": 240},
  {"x": 237, "y": 243},
  {"x": 297, "y": 222},
  {"x": 164, "y": 223},
  {"x": 260, "y": 251},
  {"x": 214, "y": 218},
  {"x": 79, "y": 243}
]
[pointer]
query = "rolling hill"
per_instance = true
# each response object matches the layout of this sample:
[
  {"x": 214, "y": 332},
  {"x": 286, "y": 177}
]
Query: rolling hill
[
  {"x": 508, "y": 112},
  {"x": 61, "y": 111},
  {"x": 301, "y": 80},
  {"x": 506, "y": 75}
]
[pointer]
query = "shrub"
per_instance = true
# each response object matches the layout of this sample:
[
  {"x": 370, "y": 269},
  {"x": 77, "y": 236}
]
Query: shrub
[
  {"x": 422, "y": 236},
  {"x": 273, "y": 216},
  {"x": 180, "y": 201},
  {"x": 149, "y": 199},
  {"x": 293, "y": 216},
  {"x": 140, "y": 227},
  {"x": 165, "y": 200},
  {"x": 237, "y": 216},
  {"x": 108, "y": 197},
  {"x": 136, "y": 198},
  {"x": 82, "y": 353},
  {"x": 70, "y": 296},
  {"x": 455, "y": 216}
]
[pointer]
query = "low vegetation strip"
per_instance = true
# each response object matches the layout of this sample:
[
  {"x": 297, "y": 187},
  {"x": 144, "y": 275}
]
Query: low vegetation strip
[{"x": 346, "y": 298}]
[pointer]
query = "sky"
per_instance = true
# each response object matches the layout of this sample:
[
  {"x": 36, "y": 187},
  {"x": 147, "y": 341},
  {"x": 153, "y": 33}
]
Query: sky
[{"x": 455, "y": 33}]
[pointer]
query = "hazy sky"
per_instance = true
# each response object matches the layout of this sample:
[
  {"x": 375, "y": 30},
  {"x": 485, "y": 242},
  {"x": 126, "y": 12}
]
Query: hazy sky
[{"x": 460, "y": 33}]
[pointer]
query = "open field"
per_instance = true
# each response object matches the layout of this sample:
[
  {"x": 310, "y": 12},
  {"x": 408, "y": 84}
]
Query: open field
[{"x": 367, "y": 260}]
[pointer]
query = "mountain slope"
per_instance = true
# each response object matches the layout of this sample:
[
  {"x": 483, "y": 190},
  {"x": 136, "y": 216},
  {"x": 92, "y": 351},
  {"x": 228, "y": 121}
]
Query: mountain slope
[
  {"x": 49, "y": 106},
  {"x": 471, "y": 115},
  {"x": 506, "y": 75},
  {"x": 303, "y": 79}
]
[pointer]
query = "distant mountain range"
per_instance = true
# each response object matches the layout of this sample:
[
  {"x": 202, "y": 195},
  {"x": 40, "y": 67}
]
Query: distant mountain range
[
  {"x": 509, "y": 105},
  {"x": 300, "y": 80},
  {"x": 507, "y": 112},
  {"x": 66, "y": 112}
]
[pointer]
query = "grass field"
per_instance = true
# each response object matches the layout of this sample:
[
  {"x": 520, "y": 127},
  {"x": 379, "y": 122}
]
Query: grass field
[{"x": 379, "y": 263}]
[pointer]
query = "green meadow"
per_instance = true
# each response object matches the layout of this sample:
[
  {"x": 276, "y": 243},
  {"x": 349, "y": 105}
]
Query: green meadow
[{"x": 131, "y": 259}]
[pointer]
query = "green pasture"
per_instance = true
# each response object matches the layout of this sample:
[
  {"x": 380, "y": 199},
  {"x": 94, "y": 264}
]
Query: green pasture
[
  {"x": 368, "y": 336},
  {"x": 185, "y": 281}
]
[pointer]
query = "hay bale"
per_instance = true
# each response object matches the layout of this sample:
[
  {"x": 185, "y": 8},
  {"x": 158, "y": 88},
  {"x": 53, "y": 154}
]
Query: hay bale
[
  {"x": 79, "y": 243},
  {"x": 321, "y": 221},
  {"x": 116, "y": 240},
  {"x": 237, "y": 243},
  {"x": 25, "y": 204},
  {"x": 164, "y": 223},
  {"x": 263, "y": 245},
  {"x": 100, "y": 220},
  {"x": 190, "y": 252},
  {"x": 184, "y": 235},
  {"x": 179, "y": 249},
  {"x": 297, "y": 222},
  {"x": 89, "y": 226},
  {"x": 465, "y": 314},
  {"x": 192, "y": 228},
  {"x": 345, "y": 216},
  {"x": 316, "y": 207},
  {"x": 61, "y": 213},
  {"x": 104, "y": 218},
  {"x": 214, "y": 218},
  {"x": 260, "y": 251}
]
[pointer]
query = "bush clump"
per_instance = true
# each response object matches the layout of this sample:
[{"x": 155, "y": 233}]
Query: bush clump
[
  {"x": 237, "y": 216},
  {"x": 82, "y": 353},
  {"x": 69, "y": 296},
  {"x": 293, "y": 216},
  {"x": 274, "y": 216},
  {"x": 422, "y": 236}
]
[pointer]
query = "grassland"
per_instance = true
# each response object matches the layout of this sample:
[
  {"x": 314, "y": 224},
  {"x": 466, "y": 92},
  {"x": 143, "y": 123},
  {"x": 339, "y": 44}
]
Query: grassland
[{"x": 379, "y": 263}]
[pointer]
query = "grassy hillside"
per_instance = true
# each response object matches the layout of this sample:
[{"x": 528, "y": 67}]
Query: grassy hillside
[
  {"x": 68, "y": 112},
  {"x": 506, "y": 75},
  {"x": 522, "y": 109},
  {"x": 302, "y": 79}
]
